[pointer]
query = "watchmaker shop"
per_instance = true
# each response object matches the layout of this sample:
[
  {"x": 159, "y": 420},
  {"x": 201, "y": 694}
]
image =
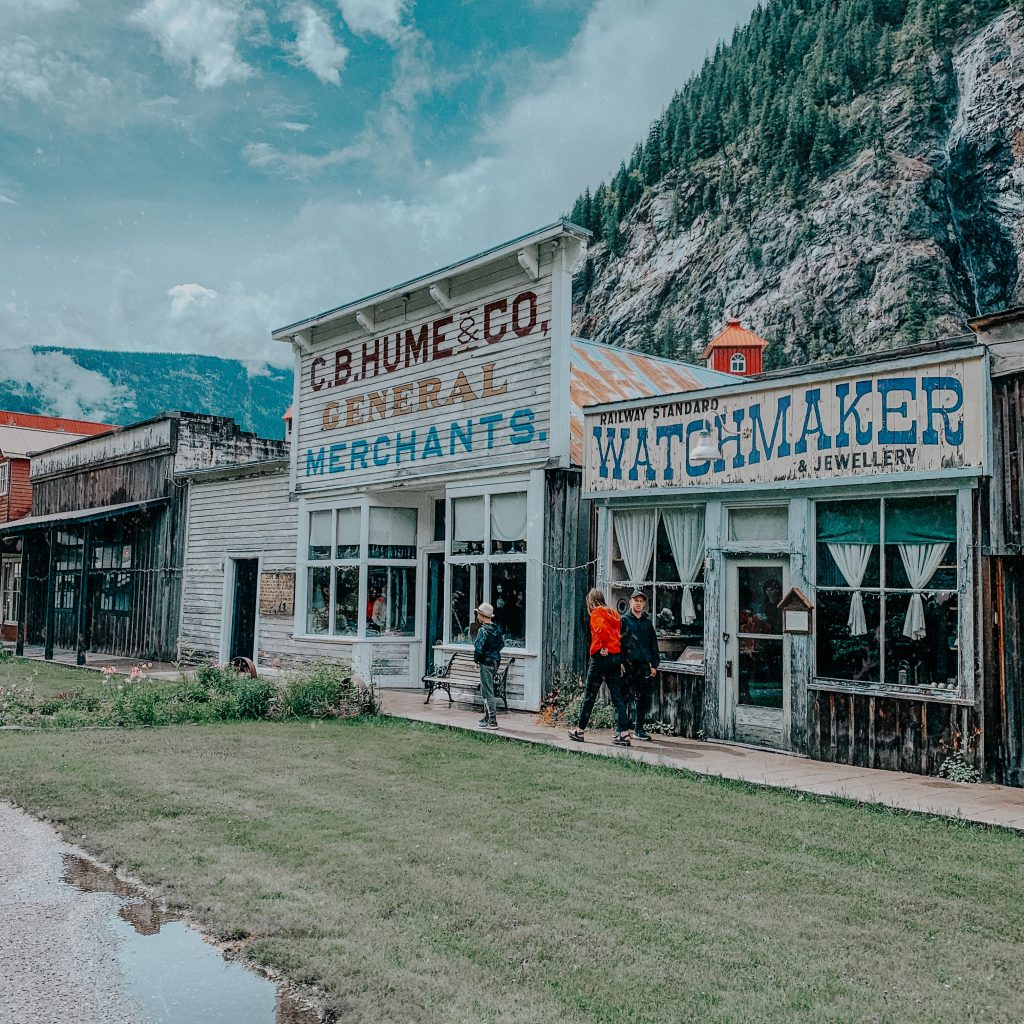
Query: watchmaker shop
[{"x": 809, "y": 542}]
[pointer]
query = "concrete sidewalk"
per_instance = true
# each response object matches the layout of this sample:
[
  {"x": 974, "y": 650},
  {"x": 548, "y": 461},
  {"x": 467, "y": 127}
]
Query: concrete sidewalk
[{"x": 985, "y": 804}]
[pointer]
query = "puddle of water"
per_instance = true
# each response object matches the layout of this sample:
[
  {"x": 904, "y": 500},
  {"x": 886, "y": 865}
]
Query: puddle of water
[{"x": 174, "y": 975}]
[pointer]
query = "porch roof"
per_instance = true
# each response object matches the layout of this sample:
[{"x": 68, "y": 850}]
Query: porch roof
[{"x": 81, "y": 515}]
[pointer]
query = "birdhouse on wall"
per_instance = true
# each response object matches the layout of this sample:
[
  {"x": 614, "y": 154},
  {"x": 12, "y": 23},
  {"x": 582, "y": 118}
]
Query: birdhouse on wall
[
  {"x": 736, "y": 350},
  {"x": 797, "y": 612}
]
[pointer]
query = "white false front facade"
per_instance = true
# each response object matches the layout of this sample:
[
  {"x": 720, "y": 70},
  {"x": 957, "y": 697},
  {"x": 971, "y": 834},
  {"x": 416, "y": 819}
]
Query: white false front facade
[{"x": 426, "y": 421}]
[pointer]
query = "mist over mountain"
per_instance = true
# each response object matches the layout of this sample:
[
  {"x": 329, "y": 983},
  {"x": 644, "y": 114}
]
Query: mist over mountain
[
  {"x": 844, "y": 176},
  {"x": 124, "y": 387}
]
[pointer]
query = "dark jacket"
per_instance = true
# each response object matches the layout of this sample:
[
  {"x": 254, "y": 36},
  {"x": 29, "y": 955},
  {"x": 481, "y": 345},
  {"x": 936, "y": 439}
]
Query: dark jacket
[
  {"x": 639, "y": 641},
  {"x": 488, "y": 644}
]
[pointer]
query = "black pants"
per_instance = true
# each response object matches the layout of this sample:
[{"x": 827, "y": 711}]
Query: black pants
[
  {"x": 638, "y": 681},
  {"x": 605, "y": 668}
]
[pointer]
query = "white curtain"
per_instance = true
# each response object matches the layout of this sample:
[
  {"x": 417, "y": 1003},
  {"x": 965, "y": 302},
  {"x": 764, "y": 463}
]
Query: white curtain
[
  {"x": 392, "y": 526},
  {"x": 920, "y": 561},
  {"x": 852, "y": 560},
  {"x": 636, "y": 533},
  {"x": 508, "y": 516},
  {"x": 685, "y": 531},
  {"x": 469, "y": 519}
]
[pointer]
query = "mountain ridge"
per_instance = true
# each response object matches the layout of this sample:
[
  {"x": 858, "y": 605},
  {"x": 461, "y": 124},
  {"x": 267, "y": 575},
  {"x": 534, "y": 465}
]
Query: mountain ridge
[{"x": 126, "y": 387}]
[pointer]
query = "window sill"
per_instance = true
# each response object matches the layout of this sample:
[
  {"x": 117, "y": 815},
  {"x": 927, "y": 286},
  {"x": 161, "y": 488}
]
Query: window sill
[
  {"x": 331, "y": 639},
  {"x": 918, "y": 693},
  {"x": 680, "y": 669},
  {"x": 506, "y": 652}
]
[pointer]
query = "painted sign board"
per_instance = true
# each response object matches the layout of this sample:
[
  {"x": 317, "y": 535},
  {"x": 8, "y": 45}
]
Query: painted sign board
[
  {"x": 903, "y": 418},
  {"x": 439, "y": 390}
]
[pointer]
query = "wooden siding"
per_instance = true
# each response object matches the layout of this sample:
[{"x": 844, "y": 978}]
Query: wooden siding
[
  {"x": 567, "y": 534},
  {"x": 677, "y": 699},
  {"x": 19, "y": 497},
  {"x": 248, "y": 516},
  {"x": 1006, "y": 507},
  {"x": 521, "y": 372},
  {"x": 884, "y": 732},
  {"x": 1003, "y": 593}
]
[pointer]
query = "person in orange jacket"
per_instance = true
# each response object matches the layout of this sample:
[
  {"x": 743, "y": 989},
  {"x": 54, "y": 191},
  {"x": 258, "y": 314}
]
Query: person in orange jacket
[{"x": 605, "y": 667}]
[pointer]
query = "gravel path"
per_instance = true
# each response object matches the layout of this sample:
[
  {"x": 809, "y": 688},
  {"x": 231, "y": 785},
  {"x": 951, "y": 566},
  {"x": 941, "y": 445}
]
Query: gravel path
[{"x": 58, "y": 949}]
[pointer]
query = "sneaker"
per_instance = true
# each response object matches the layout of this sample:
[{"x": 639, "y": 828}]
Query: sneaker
[
  {"x": 482, "y": 724},
  {"x": 487, "y": 725},
  {"x": 641, "y": 735},
  {"x": 622, "y": 741}
]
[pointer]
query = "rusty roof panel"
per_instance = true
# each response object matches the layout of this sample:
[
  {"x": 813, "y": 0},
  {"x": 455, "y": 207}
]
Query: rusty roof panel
[{"x": 603, "y": 373}]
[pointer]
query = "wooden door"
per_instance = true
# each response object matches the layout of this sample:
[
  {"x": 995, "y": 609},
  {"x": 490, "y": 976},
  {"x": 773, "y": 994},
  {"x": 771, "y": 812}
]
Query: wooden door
[{"x": 756, "y": 651}]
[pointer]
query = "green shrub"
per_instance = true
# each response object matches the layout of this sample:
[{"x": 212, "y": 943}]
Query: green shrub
[
  {"x": 17, "y": 704},
  {"x": 213, "y": 676},
  {"x": 253, "y": 697},
  {"x": 327, "y": 690}
]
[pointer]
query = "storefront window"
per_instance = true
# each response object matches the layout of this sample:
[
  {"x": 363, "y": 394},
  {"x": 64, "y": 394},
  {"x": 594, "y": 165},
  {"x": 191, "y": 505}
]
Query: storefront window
[
  {"x": 759, "y": 525},
  {"x": 11, "y": 589},
  {"x": 888, "y": 592},
  {"x": 111, "y": 564},
  {"x": 391, "y": 604},
  {"x": 333, "y": 590},
  {"x": 662, "y": 553},
  {"x": 466, "y": 595},
  {"x": 346, "y": 600},
  {"x": 488, "y": 563}
]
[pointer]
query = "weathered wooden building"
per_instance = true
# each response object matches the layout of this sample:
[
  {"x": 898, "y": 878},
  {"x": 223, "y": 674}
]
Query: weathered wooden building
[
  {"x": 239, "y": 593},
  {"x": 1001, "y": 520},
  {"x": 102, "y": 551},
  {"x": 435, "y": 464},
  {"x": 21, "y": 436},
  {"x": 812, "y": 546}
]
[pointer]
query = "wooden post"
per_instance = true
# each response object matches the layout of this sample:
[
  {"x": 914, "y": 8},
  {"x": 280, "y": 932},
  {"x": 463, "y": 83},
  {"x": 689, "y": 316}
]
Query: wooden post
[
  {"x": 51, "y": 586},
  {"x": 19, "y": 648},
  {"x": 83, "y": 597}
]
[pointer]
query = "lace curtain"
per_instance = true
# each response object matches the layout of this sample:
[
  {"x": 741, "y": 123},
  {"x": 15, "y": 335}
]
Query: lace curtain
[
  {"x": 685, "y": 532},
  {"x": 920, "y": 561},
  {"x": 636, "y": 534},
  {"x": 852, "y": 560}
]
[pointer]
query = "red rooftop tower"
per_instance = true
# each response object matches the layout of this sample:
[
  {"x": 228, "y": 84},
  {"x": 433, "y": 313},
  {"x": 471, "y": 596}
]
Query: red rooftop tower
[{"x": 736, "y": 350}]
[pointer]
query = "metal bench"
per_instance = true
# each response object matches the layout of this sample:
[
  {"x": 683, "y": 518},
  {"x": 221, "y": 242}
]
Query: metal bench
[{"x": 441, "y": 679}]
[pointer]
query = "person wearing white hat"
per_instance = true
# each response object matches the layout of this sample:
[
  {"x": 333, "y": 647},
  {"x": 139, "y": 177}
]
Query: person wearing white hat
[{"x": 487, "y": 654}]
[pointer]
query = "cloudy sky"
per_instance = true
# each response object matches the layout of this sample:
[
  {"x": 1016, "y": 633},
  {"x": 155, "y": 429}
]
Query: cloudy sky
[{"x": 187, "y": 175}]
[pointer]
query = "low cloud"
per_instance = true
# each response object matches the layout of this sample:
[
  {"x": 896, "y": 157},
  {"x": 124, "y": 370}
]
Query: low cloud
[
  {"x": 302, "y": 165},
  {"x": 381, "y": 18},
  {"x": 183, "y": 296},
  {"x": 60, "y": 387},
  {"x": 199, "y": 35},
  {"x": 315, "y": 46}
]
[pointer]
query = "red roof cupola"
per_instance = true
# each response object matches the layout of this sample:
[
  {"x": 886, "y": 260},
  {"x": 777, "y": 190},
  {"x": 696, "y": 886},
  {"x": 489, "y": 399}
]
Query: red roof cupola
[{"x": 736, "y": 350}]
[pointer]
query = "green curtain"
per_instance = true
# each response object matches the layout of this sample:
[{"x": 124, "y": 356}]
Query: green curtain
[
  {"x": 920, "y": 521},
  {"x": 848, "y": 522}
]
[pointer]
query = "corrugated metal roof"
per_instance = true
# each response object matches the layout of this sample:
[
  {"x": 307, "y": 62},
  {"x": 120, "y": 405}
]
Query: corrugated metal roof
[
  {"x": 735, "y": 335},
  {"x": 33, "y": 422},
  {"x": 604, "y": 373}
]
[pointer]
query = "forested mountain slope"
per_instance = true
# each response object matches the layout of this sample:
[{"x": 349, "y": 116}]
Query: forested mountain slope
[
  {"x": 844, "y": 175},
  {"x": 124, "y": 387}
]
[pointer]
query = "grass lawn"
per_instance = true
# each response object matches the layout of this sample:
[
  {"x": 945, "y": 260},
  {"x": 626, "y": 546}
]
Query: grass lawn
[
  {"x": 48, "y": 677},
  {"x": 421, "y": 874}
]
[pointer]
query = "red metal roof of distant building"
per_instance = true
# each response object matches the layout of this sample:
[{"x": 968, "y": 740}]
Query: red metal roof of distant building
[
  {"x": 33, "y": 422},
  {"x": 735, "y": 335}
]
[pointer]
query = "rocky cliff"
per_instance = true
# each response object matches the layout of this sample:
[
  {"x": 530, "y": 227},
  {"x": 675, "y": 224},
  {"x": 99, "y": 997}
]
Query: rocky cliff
[{"x": 907, "y": 239}]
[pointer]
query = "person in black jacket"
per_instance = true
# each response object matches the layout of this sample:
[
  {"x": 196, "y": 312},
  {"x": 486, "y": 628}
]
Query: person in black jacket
[
  {"x": 640, "y": 656},
  {"x": 487, "y": 654}
]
